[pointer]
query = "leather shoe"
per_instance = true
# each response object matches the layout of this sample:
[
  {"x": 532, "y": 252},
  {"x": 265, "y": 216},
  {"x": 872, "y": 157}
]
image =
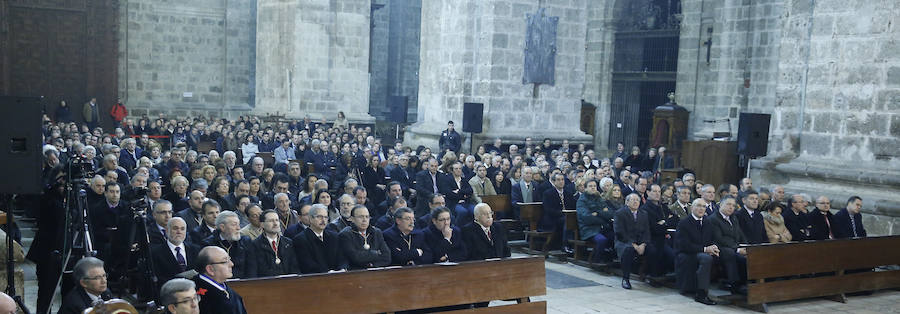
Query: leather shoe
[
  {"x": 626, "y": 284},
  {"x": 705, "y": 300}
]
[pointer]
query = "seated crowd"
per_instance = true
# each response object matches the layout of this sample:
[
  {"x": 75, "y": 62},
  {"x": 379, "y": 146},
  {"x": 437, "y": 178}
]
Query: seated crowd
[{"x": 335, "y": 199}]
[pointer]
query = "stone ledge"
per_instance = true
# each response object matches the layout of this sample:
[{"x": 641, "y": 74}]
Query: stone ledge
[{"x": 879, "y": 188}]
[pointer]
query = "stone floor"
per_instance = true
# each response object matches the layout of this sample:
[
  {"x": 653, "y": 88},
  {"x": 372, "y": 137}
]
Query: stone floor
[{"x": 576, "y": 289}]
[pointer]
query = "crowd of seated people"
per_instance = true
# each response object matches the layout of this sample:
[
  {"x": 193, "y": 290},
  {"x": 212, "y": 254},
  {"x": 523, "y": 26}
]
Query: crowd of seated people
[{"x": 335, "y": 199}]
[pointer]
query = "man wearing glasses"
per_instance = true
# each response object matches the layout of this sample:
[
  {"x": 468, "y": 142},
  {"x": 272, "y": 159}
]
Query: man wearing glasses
[
  {"x": 179, "y": 296},
  {"x": 91, "y": 288},
  {"x": 316, "y": 247},
  {"x": 215, "y": 266},
  {"x": 363, "y": 245},
  {"x": 407, "y": 246}
]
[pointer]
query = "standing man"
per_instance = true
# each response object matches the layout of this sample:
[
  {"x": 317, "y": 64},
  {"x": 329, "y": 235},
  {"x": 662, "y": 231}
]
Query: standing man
[
  {"x": 215, "y": 267},
  {"x": 91, "y": 113},
  {"x": 450, "y": 140}
]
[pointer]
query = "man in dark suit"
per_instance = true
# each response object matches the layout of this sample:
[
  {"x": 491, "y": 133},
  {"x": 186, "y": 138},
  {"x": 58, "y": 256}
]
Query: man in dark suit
[
  {"x": 193, "y": 215},
  {"x": 457, "y": 191},
  {"x": 694, "y": 253},
  {"x": 156, "y": 227},
  {"x": 215, "y": 267},
  {"x": 708, "y": 193},
  {"x": 274, "y": 253},
  {"x": 848, "y": 221},
  {"x": 444, "y": 240},
  {"x": 363, "y": 245},
  {"x": 404, "y": 175},
  {"x": 239, "y": 247},
  {"x": 104, "y": 220},
  {"x": 91, "y": 279},
  {"x": 821, "y": 220},
  {"x": 211, "y": 210},
  {"x": 174, "y": 256},
  {"x": 727, "y": 235},
  {"x": 426, "y": 186},
  {"x": 394, "y": 189},
  {"x": 660, "y": 221},
  {"x": 751, "y": 220},
  {"x": 556, "y": 199},
  {"x": 796, "y": 219},
  {"x": 407, "y": 245},
  {"x": 522, "y": 192},
  {"x": 130, "y": 154},
  {"x": 483, "y": 238},
  {"x": 632, "y": 236},
  {"x": 317, "y": 249}
]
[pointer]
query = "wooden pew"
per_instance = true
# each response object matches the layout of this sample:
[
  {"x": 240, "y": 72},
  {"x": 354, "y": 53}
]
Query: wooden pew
[
  {"x": 829, "y": 260},
  {"x": 578, "y": 245},
  {"x": 531, "y": 213},
  {"x": 400, "y": 289},
  {"x": 268, "y": 158}
]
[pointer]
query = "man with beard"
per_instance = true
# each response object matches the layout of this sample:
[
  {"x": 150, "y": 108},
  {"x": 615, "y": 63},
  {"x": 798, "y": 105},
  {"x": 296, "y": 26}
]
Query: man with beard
[
  {"x": 275, "y": 253},
  {"x": 346, "y": 203},
  {"x": 407, "y": 246},
  {"x": 238, "y": 247},
  {"x": 173, "y": 256}
]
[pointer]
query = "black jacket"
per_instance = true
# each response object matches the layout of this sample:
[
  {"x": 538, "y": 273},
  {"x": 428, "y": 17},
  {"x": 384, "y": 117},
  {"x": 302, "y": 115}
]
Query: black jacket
[
  {"x": 77, "y": 300},
  {"x": 265, "y": 257},
  {"x": 820, "y": 228},
  {"x": 403, "y": 253},
  {"x": 479, "y": 247},
  {"x": 166, "y": 266},
  {"x": 692, "y": 236},
  {"x": 724, "y": 234},
  {"x": 844, "y": 229},
  {"x": 455, "y": 249},
  {"x": 358, "y": 257},
  {"x": 315, "y": 256},
  {"x": 797, "y": 224},
  {"x": 240, "y": 252},
  {"x": 446, "y": 185},
  {"x": 754, "y": 227},
  {"x": 214, "y": 300},
  {"x": 629, "y": 230},
  {"x": 552, "y": 216}
]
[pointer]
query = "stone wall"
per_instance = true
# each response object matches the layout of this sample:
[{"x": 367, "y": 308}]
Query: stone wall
[
  {"x": 314, "y": 58},
  {"x": 472, "y": 51},
  {"x": 202, "y": 48},
  {"x": 394, "y": 64},
  {"x": 836, "y": 122},
  {"x": 743, "y": 68}
]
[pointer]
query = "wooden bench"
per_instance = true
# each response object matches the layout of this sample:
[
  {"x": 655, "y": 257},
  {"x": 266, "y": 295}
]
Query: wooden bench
[
  {"x": 391, "y": 290},
  {"x": 531, "y": 213},
  {"x": 578, "y": 245},
  {"x": 268, "y": 158},
  {"x": 819, "y": 269}
]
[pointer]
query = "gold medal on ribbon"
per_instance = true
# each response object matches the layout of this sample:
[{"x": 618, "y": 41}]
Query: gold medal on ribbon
[{"x": 277, "y": 261}]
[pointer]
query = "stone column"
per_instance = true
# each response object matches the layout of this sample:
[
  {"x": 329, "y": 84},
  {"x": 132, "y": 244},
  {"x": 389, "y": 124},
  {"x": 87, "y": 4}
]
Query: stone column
[
  {"x": 313, "y": 58},
  {"x": 473, "y": 51}
]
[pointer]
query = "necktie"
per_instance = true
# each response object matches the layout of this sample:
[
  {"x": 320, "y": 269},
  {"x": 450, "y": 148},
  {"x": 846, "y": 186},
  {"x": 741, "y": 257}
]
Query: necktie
[
  {"x": 434, "y": 183},
  {"x": 562, "y": 200},
  {"x": 700, "y": 223},
  {"x": 828, "y": 223},
  {"x": 182, "y": 263},
  {"x": 853, "y": 225},
  {"x": 635, "y": 215},
  {"x": 275, "y": 247},
  {"x": 489, "y": 236}
]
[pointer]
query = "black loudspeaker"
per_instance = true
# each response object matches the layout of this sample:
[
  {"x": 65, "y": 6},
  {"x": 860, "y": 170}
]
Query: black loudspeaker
[
  {"x": 753, "y": 134},
  {"x": 399, "y": 106},
  {"x": 20, "y": 145},
  {"x": 473, "y": 113}
]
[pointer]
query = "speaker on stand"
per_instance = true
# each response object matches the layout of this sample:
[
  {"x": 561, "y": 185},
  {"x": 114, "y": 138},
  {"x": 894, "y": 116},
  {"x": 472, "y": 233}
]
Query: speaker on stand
[
  {"x": 753, "y": 137},
  {"x": 473, "y": 118},
  {"x": 399, "y": 106}
]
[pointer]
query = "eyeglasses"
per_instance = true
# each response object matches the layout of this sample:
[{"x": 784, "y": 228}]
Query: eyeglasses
[
  {"x": 227, "y": 260},
  {"x": 195, "y": 299},
  {"x": 104, "y": 277}
]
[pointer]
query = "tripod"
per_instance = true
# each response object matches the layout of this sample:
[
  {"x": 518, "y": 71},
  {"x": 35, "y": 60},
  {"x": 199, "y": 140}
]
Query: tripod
[{"x": 11, "y": 264}]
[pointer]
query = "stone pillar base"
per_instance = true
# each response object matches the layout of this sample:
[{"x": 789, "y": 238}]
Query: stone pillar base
[{"x": 879, "y": 187}]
